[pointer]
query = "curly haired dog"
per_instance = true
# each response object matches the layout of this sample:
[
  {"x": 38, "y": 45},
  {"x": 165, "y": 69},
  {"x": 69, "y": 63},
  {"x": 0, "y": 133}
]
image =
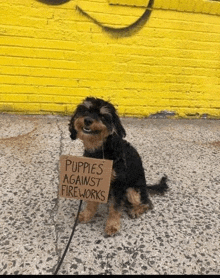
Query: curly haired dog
[{"x": 97, "y": 124}]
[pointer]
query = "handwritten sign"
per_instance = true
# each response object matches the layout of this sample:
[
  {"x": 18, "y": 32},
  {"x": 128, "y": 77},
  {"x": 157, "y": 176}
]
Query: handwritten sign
[{"x": 85, "y": 178}]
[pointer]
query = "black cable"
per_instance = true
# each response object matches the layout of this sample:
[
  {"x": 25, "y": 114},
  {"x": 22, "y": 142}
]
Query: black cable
[{"x": 64, "y": 254}]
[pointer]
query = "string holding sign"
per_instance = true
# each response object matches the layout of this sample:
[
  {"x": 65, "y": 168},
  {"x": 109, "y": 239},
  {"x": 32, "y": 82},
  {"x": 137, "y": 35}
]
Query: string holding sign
[{"x": 85, "y": 178}]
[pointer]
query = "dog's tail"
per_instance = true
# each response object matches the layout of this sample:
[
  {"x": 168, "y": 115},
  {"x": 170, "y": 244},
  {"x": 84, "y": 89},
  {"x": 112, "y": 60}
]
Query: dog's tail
[{"x": 159, "y": 188}]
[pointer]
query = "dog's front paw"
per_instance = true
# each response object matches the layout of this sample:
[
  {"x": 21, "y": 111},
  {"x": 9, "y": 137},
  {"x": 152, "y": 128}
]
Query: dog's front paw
[
  {"x": 112, "y": 226},
  {"x": 88, "y": 212},
  {"x": 112, "y": 229},
  {"x": 85, "y": 216}
]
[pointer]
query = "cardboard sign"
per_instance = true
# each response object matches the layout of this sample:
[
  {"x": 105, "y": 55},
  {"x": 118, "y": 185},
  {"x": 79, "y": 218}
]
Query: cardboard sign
[{"x": 85, "y": 178}]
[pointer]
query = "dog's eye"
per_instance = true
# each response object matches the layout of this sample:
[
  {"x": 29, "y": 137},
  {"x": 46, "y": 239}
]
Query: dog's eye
[
  {"x": 106, "y": 118},
  {"x": 86, "y": 113},
  {"x": 82, "y": 110}
]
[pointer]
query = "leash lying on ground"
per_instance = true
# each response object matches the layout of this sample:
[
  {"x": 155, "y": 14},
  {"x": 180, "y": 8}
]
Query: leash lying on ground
[{"x": 71, "y": 236}]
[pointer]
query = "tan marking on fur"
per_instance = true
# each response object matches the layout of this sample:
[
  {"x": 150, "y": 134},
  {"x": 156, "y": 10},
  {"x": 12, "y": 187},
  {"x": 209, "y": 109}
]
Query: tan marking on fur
[
  {"x": 89, "y": 211},
  {"x": 113, "y": 221},
  {"x": 113, "y": 175},
  {"x": 137, "y": 211},
  {"x": 91, "y": 141},
  {"x": 133, "y": 197},
  {"x": 105, "y": 110},
  {"x": 137, "y": 207},
  {"x": 87, "y": 104}
]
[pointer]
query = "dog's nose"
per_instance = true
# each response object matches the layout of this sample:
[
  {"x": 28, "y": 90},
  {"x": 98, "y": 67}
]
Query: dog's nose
[{"x": 88, "y": 121}]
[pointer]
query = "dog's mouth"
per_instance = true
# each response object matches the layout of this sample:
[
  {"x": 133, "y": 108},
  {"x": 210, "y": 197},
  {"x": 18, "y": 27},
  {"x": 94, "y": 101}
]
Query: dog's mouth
[{"x": 87, "y": 130}]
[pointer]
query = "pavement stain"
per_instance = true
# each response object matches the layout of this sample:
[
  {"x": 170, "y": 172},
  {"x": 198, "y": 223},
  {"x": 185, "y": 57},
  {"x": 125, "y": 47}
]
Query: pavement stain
[
  {"x": 22, "y": 140},
  {"x": 215, "y": 143},
  {"x": 21, "y": 146}
]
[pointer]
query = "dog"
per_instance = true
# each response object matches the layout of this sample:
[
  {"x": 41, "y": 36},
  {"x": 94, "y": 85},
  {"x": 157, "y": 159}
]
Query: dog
[{"x": 96, "y": 122}]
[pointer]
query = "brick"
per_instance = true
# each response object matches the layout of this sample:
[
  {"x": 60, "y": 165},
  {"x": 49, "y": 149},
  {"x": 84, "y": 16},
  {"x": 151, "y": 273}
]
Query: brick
[
  {"x": 27, "y": 107},
  {"x": 55, "y": 108},
  {"x": 6, "y": 107},
  {"x": 138, "y": 3}
]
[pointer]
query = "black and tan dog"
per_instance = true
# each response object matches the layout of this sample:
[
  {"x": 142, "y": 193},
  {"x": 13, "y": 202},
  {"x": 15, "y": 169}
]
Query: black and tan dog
[{"x": 97, "y": 124}]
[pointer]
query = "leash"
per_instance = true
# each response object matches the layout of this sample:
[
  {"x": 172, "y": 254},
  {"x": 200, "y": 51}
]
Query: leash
[{"x": 71, "y": 236}]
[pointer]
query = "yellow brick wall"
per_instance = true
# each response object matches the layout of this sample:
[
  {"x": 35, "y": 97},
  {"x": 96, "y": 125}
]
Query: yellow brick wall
[{"x": 52, "y": 56}]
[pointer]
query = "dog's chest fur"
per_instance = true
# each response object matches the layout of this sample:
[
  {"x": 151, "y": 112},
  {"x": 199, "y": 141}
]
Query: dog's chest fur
[{"x": 127, "y": 164}]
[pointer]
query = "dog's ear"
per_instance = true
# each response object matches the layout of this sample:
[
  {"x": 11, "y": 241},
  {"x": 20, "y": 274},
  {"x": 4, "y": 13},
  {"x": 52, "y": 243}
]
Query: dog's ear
[
  {"x": 72, "y": 130},
  {"x": 119, "y": 129}
]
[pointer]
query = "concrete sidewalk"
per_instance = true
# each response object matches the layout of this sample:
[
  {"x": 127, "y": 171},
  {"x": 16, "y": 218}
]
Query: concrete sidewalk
[{"x": 181, "y": 235}]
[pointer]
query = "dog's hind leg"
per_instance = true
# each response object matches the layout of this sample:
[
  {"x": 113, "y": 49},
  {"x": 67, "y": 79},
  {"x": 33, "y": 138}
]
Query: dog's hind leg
[
  {"x": 137, "y": 207},
  {"x": 89, "y": 211}
]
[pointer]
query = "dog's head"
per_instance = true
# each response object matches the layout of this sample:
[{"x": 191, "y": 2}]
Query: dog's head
[{"x": 93, "y": 121}]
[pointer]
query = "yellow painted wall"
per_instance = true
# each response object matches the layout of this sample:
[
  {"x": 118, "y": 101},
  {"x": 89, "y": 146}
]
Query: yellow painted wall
[{"x": 52, "y": 56}]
